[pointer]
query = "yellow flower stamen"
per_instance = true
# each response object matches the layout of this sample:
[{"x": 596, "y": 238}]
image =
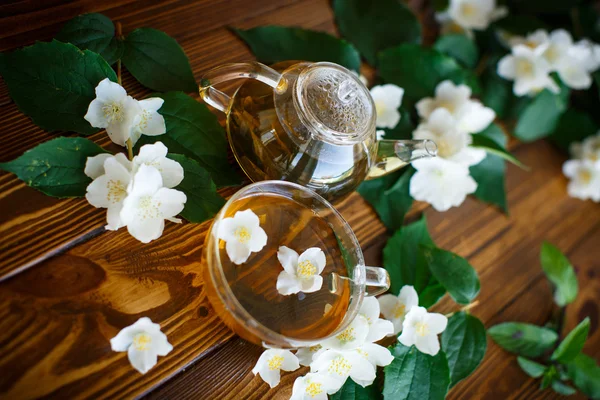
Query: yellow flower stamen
[
  {"x": 399, "y": 311},
  {"x": 113, "y": 112},
  {"x": 242, "y": 234},
  {"x": 116, "y": 191},
  {"x": 422, "y": 329},
  {"x": 142, "y": 341},
  {"x": 346, "y": 336},
  {"x": 585, "y": 176},
  {"x": 468, "y": 10},
  {"x": 275, "y": 362},
  {"x": 339, "y": 366},
  {"x": 313, "y": 389},
  {"x": 306, "y": 269},
  {"x": 524, "y": 68}
]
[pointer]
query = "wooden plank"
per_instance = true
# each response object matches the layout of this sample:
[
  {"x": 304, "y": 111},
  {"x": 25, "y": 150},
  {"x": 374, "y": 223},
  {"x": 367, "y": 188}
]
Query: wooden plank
[
  {"x": 61, "y": 222},
  {"x": 505, "y": 253}
]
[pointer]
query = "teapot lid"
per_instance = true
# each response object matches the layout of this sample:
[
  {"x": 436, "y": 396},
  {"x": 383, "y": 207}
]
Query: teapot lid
[{"x": 335, "y": 103}]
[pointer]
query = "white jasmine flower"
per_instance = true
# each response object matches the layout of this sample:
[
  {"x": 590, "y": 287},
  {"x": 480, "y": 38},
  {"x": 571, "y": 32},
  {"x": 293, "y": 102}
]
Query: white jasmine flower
[
  {"x": 306, "y": 354},
  {"x": 421, "y": 328},
  {"x": 380, "y": 134},
  {"x": 314, "y": 387},
  {"x": 387, "y": 99},
  {"x": 471, "y": 116},
  {"x": 441, "y": 183},
  {"x": 474, "y": 14},
  {"x": 589, "y": 149},
  {"x": 340, "y": 365},
  {"x": 585, "y": 179},
  {"x": 148, "y": 204},
  {"x": 529, "y": 69},
  {"x": 301, "y": 273},
  {"x": 242, "y": 234},
  {"x": 452, "y": 143},
  {"x": 271, "y": 362},
  {"x": 148, "y": 121},
  {"x": 573, "y": 69},
  {"x": 155, "y": 155},
  {"x": 537, "y": 38},
  {"x": 109, "y": 187},
  {"x": 114, "y": 110},
  {"x": 354, "y": 336},
  {"x": 378, "y": 328},
  {"x": 395, "y": 308},
  {"x": 592, "y": 63},
  {"x": 143, "y": 341}
]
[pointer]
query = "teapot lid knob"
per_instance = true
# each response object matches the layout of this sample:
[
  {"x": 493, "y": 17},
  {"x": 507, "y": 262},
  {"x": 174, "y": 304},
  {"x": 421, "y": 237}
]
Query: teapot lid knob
[{"x": 335, "y": 103}]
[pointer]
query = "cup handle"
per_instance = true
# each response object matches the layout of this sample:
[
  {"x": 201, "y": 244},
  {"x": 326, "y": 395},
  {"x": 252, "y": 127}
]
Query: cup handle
[{"x": 377, "y": 281}]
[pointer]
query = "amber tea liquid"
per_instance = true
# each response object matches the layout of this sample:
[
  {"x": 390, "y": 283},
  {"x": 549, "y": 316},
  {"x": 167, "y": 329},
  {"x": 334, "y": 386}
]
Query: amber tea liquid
[{"x": 301, "y": 316}]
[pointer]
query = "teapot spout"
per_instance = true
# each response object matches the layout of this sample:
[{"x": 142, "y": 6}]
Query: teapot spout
[{"x": 395, "y": 154}]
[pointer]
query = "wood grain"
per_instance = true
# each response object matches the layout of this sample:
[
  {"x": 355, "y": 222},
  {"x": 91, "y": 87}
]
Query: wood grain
[
  {"x": 75, "y": 286},
  {"x": 505, "y": 253},
  {"x": 61, "y": 223}
]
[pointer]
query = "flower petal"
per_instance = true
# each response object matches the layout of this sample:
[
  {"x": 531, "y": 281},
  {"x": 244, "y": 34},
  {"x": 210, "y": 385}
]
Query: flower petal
[
  {"x": 171, "y": 201},
  {"x": 437, "y": 322},
  {"x": 409, "y": 297},
  {"x": 288, "y": 259},
  {"x": 312, "y": 284},
  {"x": 142, "y": 360},
  {"x": 287, "y": 284},
  {"x": 387, "y": 304},
  {"x": 258, "y": 239},
  {"x": 380, "y": 329},
  {"x": 290, "y": 361},
  {"x": 109, "y": 91},
  {"x": 370, "y": 309},
  {"x": 428, "y": 344},
  {"x": 146, "y": 181},
  {"x": 314, "y": 255},
  {"x": 238, "y": 252},
  {"x": 377, "y": 355},
  {"x": 95, "y": 114},
  {"x": 94, "y": 166},
  {"x": 144, "y": 230},
  {"x": 113, "y": 217}
]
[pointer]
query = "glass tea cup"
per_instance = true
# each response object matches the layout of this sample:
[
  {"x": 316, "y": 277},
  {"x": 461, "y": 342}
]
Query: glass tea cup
[{"x": 246, "y": 297}]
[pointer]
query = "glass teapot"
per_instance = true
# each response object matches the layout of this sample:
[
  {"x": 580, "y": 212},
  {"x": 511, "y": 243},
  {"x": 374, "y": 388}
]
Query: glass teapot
[{"x": 308, "y": 123}]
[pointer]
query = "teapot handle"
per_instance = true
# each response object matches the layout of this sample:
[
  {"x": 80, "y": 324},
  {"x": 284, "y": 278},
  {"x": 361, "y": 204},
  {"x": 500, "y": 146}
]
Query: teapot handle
[{"x": 227, "y": 72}]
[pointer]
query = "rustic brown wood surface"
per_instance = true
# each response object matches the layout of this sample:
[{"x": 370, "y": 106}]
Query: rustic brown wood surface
[{"x": 69, "y": 286}]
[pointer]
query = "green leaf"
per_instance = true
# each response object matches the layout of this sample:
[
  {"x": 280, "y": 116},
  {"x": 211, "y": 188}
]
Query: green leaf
[
  {"x": 192, "y": 130},
  {"x": 560, "y": 272},
  {"x": 56, "y": 167},
  {"x": 453, "y": 272},
  {"x": 490, "y": 173},
  {"x": 531, "y": 368},
  {"x": 374, "y": 25},
  {"x": 94, "y": 32},
  {"x": 416, "y": 376},
  {"x": 563, "y": 389},
  {"x": 403, "y": 130},
  {"x": 585, "y": 374},
  {"x": 271, "y": 44},
  {"x": 459, "y": 47},
  {"x": 573, "y": 126},
  {"x": 406, "y": 264},
  {"x": 492, "y": 147},
  {"x": 418, "y": 70},
  {"x": 464, "y": 343},
  {"x": 524, "y": 339},
  {"x": 497, "y": 91},
  {"x": 54, "y": 83},
  {"x": 389, "y": 196},
  {"x": 572, "y": 345},
  {"x": 203, "y": 201},
  {"x": 157, "y": 61},
  {"x": 540, "y": 118},
  {"x": 550, "y": 375},
  {"x": 353, "y": 391}
]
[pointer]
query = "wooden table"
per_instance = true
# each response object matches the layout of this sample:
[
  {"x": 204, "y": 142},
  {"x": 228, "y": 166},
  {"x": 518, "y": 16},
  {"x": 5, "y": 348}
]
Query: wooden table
[{"x": 67, "y": 286}]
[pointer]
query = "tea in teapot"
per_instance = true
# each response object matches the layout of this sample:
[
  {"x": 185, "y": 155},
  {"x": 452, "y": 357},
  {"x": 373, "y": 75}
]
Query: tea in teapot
[{"x": 312, "y": 124}]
